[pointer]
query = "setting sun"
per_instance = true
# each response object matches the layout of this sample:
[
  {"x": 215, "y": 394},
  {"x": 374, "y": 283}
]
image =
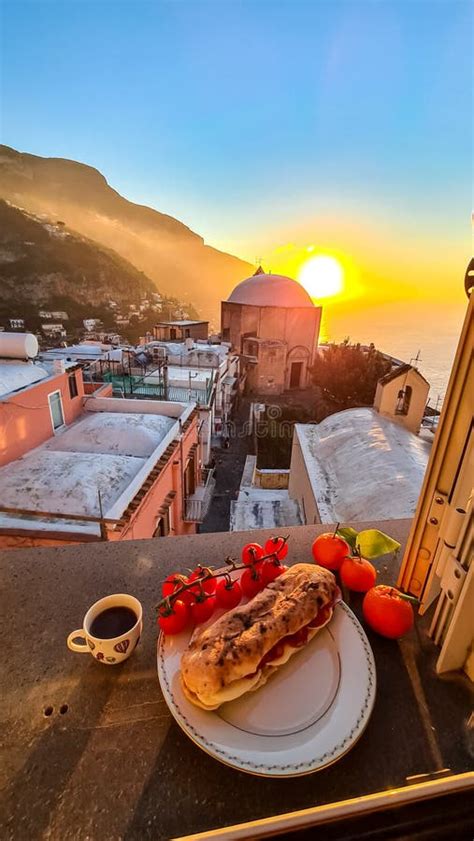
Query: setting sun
[{"x": 322, "y": 276}]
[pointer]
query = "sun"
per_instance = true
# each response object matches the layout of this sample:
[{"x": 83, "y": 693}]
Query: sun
[{"x": 322, "y": 276}]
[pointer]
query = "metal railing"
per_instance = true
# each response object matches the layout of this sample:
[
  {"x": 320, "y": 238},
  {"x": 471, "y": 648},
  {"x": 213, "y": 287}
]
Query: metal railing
[
  {"x": 197, "y": 504},
  {"x": 131, "y": 385}
]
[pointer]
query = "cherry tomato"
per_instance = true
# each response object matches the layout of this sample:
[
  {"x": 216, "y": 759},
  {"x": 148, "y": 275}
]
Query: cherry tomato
[
  {"x": 251, "y": 582},
  {"x": 321, "y": 617},
  {"x": 173, "y": 583},
  {"x": 176, "y": 621},
  {"x": 358, "y": 574},
  {"x": 276, "y": 546},
  {"x": 329, "y": 550},
  {"x": 208, "y": 586},
  {"x": 201, "y": 611},
  {"x": 169, "y": 584},
  {"x": 228, "y": 595},
  {"x": 252, "y": 552},
  {"x": 188, "y": 596},
  {"x": 386, "y": 612},
  {"x": 271, "y": 570}
]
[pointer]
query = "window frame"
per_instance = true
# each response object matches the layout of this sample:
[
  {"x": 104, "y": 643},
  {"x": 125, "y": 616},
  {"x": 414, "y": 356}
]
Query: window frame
[
  {"x": 73, "y": 379},
  {"x": 166, "y": 518},
  {"x": 63, "y": 424}
]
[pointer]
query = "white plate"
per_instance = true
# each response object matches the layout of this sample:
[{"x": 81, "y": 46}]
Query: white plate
[{"x": 308, "y": 714}]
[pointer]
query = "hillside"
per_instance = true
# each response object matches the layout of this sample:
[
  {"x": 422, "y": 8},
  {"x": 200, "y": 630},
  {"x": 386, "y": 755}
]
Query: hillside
[
  {"x": 46, "y": 265},
  {"x": 167, "y": 251}
]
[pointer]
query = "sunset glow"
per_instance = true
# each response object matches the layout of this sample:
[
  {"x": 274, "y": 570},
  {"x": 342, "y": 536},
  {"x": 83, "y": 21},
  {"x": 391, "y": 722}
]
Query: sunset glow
[{"x": 322, "y": 276}]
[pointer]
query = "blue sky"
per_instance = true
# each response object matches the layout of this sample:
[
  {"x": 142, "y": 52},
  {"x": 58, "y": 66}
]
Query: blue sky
[{"x": 254, "y": 121}]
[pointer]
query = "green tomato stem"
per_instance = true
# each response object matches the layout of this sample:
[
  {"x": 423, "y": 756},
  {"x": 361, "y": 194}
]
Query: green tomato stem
[{"x": 198, "y": 582}]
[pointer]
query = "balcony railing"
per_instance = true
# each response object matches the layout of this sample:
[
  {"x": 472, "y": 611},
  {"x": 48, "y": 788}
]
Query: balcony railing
[
  {"x": 197, "y": 504},
  {"x": 125, "y": 386}
]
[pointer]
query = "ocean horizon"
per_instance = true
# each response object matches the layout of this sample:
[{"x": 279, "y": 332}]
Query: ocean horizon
[{"x": 404, "y": 329}]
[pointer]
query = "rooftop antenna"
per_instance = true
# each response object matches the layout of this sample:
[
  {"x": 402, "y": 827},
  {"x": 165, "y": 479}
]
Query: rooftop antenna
[{"x": 416, "y": 358}]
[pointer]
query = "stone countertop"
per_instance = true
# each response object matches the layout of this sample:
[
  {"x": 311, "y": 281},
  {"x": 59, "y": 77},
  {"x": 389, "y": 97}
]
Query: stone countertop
[{"x": 92, "y": 752}]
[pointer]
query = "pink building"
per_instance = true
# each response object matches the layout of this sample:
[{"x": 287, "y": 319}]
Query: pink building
[{"x": 82, "y": 467}]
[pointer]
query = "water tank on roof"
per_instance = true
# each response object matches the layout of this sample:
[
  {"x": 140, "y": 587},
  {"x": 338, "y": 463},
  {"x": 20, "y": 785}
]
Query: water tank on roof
[{"x": 18, "y": 346}]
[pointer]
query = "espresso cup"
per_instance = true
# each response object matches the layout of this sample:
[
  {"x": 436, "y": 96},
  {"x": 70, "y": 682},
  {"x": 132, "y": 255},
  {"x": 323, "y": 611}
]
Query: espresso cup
[{"x": 109, "y": 650}]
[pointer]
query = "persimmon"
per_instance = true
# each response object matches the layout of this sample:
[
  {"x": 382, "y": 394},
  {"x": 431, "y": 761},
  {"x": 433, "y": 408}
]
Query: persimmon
[
  {"x": 358, "y": 574},
  {"x": 329, "y": 550},
  {"x": 387, "y": 612}
]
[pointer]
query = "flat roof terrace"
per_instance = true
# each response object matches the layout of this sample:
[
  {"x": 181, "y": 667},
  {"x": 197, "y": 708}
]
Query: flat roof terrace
[{"x": 106, "y": 452}]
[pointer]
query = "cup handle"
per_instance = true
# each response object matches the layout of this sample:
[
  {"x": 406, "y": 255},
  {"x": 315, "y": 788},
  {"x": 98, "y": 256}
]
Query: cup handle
[{"x": 74, "y": 646}]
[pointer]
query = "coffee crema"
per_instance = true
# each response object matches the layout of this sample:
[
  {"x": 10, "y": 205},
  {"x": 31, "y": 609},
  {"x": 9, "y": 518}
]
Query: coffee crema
[{"x": 113, "y": 622}]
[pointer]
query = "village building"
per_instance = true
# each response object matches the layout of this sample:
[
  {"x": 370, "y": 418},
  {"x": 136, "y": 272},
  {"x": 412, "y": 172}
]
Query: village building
[
  {"x": 272, "y": 323},
  {"x": 79, "y": 467},
  {"x": 202, "y": 355},
  {"x": 179, "y": 330},
  {"x": 205, "y": 373},
  {"x": 91, "y": 323},
  {"x": 53, "y": 331},
  {"x": 355, "y": 465},
  {"x": 16, "y": 323},
  {"x": 402, "y": 395}
]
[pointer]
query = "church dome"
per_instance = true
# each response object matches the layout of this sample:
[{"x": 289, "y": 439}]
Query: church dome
[{"x": 270, "y": 290}]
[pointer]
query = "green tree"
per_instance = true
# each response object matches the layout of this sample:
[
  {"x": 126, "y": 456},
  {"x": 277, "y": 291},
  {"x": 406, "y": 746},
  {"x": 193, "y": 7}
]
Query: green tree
[{"x": 348, "y": 374}]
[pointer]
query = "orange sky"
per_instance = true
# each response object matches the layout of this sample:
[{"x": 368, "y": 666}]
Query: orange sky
[{"x": 381, "y": 263}]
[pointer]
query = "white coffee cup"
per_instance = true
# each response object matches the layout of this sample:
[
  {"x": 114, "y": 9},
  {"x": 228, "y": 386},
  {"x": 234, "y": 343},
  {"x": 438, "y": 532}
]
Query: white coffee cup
[{"x": 112, "y": 650}]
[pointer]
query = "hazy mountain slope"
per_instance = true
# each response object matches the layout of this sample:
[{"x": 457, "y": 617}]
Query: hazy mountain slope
[
  {"x": 39, "y": 261},
  {"x": 166, "y": 250}
]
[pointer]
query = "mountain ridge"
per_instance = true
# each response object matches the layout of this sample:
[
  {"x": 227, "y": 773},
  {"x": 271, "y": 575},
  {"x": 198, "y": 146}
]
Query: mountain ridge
[
  {"x": 176, "y": 258},
  {"x": 47, "y": 265}
]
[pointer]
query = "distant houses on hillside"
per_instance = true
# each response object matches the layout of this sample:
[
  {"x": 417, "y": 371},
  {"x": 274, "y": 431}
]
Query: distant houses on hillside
[{"x": 49, "y": 324}]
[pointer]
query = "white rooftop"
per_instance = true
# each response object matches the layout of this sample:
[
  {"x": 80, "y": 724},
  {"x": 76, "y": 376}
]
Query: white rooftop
[
  {"x": 180, "y": 349},
  {"x": 107, "y": 451},
  {"x": 264, "y": 509},
  {"x": 113, "y": 433},
  {"x": 270, "y": 290},
  {"x": 181, "y": 374},
  {"x": 362, "y": 466},
  {"x": 82, "y": 351},
  {"x": 65, "y": 482},
  {"x": 15, "y": 375}
]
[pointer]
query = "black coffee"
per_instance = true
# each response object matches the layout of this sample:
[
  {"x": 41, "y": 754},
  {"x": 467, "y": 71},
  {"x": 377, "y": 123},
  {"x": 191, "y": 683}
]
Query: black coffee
[{"x": 113, "y": 622}]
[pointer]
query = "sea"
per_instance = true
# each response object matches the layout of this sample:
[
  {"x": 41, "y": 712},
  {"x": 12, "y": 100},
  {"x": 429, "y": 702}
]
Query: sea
[{"x": 425, "y": 334}]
